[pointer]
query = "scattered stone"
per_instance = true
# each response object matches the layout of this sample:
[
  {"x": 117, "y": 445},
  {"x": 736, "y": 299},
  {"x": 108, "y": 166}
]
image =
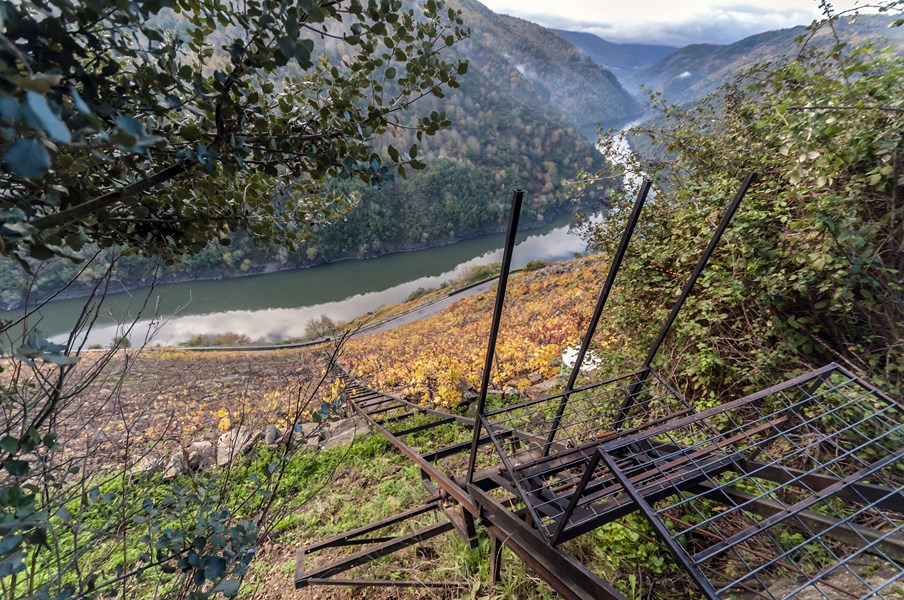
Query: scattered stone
[
  {"x": 538, "y": 390},
  {"x": 468, "y": 392},
  {"x": 344, "y": 432},
  {"x": 176, "y": 465},
  {"x": 534, "y": 378},
  {"x": 307, "y": 434},
  {"x": 235, "y": 442},
  {"x": 201, "y": 455},
  {"x": 348, "y": 475},
  {"x": 271, "y": 434},
  {"x": 310, "y": 430},
  {"x": 512, "y": 392},
  {"x": 148, "y": 465},
  {"x": 471, "y": 411}
]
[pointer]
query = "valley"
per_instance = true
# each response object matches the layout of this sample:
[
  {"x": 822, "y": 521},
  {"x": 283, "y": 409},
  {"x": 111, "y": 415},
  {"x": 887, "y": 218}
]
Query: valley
[{"x": 188, "y": 186}]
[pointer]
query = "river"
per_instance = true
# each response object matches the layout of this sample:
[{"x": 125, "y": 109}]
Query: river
[{"x": 278, "y": 306}]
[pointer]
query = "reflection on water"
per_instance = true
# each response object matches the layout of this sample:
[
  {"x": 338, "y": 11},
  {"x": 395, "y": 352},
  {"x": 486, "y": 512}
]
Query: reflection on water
[{"x": 279, "y": 305}]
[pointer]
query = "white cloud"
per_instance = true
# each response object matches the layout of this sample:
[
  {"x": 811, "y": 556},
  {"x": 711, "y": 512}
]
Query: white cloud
[{"x": 667, "y": 21}]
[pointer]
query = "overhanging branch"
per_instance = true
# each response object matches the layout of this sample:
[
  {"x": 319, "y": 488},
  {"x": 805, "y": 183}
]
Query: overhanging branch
[{"x": 80, "y": 211}]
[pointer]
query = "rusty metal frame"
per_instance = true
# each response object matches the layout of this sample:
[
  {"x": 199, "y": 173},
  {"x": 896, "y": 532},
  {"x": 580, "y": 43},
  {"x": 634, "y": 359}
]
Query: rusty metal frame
[{"x": 574, "y": 460}]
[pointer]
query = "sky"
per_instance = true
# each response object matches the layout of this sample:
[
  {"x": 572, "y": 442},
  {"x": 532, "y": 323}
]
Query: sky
[{"x": 670, "y": 22}]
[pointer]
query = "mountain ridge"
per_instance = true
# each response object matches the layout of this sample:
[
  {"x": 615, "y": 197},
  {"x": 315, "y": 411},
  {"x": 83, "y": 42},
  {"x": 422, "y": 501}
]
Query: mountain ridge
[
  {"x": 696, "y": 70},
  {"x": 614, "y": 56}
]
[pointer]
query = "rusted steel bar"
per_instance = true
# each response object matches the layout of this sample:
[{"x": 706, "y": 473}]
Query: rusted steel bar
[
  {"x": 598, "y": 310},
  {"x": 589, "y": 473},
  {"x": 542, "y": 399},
  {"x": 663, "y": 532},
  {"x": 790, "y": 566},
  {"x": 855, "y": 492},
  {"x": 367, "y": 555},
  {"x": 412, "y": 583},
  {"x": 627, "y": 440},
  {"x": 343, "y": 538},
  {"x": 424, "y": 426},
  {"x": 848, "y": 533},
  {"x": 517, "y": 199},
  {"x": 392, "y": 398},
  {"x": 688, "y": 287},
  {"x": 441, "y": 479},
  {"x": 457, "y": 448},
  {"x": 560, "y": 570}
]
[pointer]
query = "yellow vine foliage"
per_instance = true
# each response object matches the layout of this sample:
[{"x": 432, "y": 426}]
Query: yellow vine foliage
[{"x": 431, "y": 360}]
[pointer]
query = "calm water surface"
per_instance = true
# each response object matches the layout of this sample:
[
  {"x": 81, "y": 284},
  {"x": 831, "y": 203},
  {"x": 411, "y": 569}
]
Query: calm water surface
[{"x": 279, "y": 305}]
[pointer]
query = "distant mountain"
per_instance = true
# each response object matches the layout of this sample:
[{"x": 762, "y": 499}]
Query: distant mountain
[
  {"x": 694, "y": 71},
  {"x": 619, "y": 58},
  {"x": 543, "y": 70}
]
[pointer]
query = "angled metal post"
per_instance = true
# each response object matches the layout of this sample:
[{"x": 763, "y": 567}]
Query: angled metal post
[
  {"x": 688, "y": 287},
  {"x": 598, "y": 311},
  {"x": 517, "y": 198}
]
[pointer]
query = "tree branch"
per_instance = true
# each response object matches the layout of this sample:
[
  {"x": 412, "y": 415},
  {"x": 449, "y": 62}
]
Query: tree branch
[{"x": 80, "y": 211}]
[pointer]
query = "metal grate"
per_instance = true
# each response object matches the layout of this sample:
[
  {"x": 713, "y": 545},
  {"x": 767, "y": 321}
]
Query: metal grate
[
  {"x": 800, "y": 483},
  {"x": 564, "y": 487}
]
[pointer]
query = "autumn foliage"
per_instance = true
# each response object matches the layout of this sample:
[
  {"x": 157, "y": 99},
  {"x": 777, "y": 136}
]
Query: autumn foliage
[{"x": 432, "y": 360}]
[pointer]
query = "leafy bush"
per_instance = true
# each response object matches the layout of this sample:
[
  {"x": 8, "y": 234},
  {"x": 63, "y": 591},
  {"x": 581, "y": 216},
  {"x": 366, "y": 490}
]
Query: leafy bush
[
  {"x": 228, "y": 338},
  {"x": 535, "y": 265},
  {"x": 121, "y": 341},
  {"x": 810, "y": 269},
  {"x": 418, "y": 293},
  {"x": 479, "y": 273}
]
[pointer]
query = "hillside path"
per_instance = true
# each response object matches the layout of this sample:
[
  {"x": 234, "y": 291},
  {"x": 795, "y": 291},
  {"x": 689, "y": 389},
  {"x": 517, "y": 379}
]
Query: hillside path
[{"x": 428, "y": 310}]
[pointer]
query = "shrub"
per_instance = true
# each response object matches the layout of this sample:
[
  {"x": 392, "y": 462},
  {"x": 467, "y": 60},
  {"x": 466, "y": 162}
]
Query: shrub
[
  {"x": 535, "y": 265},
  {"x": 809, "y": 270}
]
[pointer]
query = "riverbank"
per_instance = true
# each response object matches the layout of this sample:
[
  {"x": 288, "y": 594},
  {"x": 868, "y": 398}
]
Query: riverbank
[
  {"x": 275, "y": 307},
  {"x": 83, "y": 289}
]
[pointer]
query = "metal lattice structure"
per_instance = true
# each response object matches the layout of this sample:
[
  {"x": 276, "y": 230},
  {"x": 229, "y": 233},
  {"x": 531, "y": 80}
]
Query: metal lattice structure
[{"x": 796, "y": 491}]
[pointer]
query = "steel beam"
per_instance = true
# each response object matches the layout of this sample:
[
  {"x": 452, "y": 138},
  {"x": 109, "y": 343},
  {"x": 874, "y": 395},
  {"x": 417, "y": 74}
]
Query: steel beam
[
  {"x": 561, "y": 571},
  {"x": 517, "y": 199}
]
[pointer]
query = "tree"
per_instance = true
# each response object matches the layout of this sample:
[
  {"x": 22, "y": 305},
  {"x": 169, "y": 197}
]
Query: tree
[
  {"x": 160, "y": 125},
  {"x": 157, "y": 126},
  {"x": 810, "y": 270}
]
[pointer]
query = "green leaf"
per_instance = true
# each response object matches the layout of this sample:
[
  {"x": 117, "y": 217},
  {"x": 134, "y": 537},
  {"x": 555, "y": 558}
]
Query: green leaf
[
  {"x": 63, "y": 514},
  {"x": 287, "y": 46},
  {"x": 9, "y": 444},
  {"x": 303, "y": 50},
  {"x": 47, "y": 117},
  {"x": 16, "y": 468},
  {"x": 60, "y": 360},
  {"x": 10, "y": 543},
  {"x": 28, "y": 158},
  {"x": 38, "y": 83},
  {"x": 214, "y": 568},
  {"x": 228, "y": 587},
  {"x": 79, "y": 103},
  {"x": 12, "y": 564}
]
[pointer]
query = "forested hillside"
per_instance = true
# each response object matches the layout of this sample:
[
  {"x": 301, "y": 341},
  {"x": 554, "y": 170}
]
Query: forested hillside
[
  {"x": 544, "y": 71},
  {"x": 694, "y": 71},
  {"x": 619, "y": 58},
  {"x": 513, "y": 124}
]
